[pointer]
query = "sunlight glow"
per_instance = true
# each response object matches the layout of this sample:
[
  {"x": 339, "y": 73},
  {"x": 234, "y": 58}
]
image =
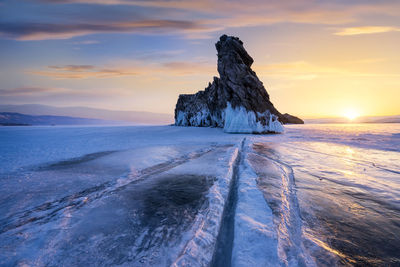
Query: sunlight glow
[{"x": 351, "y": 114}]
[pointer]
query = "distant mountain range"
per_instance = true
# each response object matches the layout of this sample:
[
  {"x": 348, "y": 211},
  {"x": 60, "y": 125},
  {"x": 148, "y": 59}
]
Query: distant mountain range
[
  {"x": 33, "y": 114},
  {"x": 84, "y": 115},
  {"x": 18, "y": 119},
  {"x": 377, "y": 119}
]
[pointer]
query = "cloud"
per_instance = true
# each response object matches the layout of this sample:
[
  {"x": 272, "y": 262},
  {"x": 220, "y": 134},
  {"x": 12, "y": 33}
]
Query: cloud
[
  {"x": 325, "y": 12},
  {"x": 81, "y": 72},
  {"x": 303, "y": 70},
  {"x": 25, "y": 91},
  {"x": 194, "y": 19},
  {"x": 292, "y": 70},
  {"x": 43, "y": 31},
  {"x": 60, "y": 95},
  {"x": 74, "y": 68},
  {"x": 366, "y": 30},
  {"x": 86, "y": 42},
  {"x": 175, "y": 68}
]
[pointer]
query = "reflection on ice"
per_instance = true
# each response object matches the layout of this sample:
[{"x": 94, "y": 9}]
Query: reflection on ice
[
  {"x": 276, "y": 181},
  {"x": 142, "y": 224},
  {"x": 348, "y": 198},
  {"x": 168, "y": 204}
]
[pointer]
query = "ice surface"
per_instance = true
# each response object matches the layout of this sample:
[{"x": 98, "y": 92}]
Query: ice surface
[
  {"x": 25, "y": 147},
  {"x": 348, "y": 196},
  {"x": 139, "y": 196},
  {"x": 131, "y": 199},
  {"x": 384, "y": 136}
]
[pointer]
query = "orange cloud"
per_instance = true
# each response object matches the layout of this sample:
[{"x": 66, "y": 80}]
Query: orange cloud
[
  {"x": 366, "y": 30},
  {"x": 81, "y": 72},
  {"x": 75, "y": 68},
  {"x": 302, "y": 70},
  {"x": 173, "y": 68}
]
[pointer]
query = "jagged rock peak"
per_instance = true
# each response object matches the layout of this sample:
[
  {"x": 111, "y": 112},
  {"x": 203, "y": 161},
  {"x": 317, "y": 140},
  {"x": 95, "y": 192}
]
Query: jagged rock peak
[
  {"x": 230, "y": 49},
  {"x": 237, "y": 101}
]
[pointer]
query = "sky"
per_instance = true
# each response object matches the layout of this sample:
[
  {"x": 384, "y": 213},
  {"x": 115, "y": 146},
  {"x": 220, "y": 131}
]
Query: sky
[{"x": 316, "y": 58}]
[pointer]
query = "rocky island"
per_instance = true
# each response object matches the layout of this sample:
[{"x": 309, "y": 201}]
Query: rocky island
[{"x": 236, "y": 101}]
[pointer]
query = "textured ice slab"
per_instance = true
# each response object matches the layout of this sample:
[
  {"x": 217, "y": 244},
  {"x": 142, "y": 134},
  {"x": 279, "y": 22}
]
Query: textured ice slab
[
  {"x": 199, "y": 251},
  {"x": 255, "y": 242},
  {"x": 233, "y": 120},
  {"x": 240, "y": 120}
]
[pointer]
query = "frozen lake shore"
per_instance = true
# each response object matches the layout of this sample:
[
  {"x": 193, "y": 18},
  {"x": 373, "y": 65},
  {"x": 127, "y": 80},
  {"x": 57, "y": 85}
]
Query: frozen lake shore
[{"x": 163, "y": 195}]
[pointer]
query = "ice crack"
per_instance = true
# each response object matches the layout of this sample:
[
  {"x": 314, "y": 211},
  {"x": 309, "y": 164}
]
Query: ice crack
[{"x": 224, "y": 246}]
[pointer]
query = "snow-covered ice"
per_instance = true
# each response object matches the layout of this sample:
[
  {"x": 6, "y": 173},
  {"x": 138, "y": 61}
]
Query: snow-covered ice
[{"x": 317, "y": 195}]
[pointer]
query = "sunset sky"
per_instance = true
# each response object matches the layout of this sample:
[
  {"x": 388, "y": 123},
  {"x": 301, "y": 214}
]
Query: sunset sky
[{"x": 316, "y": 58}]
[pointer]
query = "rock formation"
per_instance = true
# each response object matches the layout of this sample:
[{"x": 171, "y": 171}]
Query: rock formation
[
  {"x": 237, "y": 101},
  {"x": 287, "y": 118}
]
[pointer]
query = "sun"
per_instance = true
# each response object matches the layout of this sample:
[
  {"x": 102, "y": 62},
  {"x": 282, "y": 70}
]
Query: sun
[{"x": 351, "y": 114}]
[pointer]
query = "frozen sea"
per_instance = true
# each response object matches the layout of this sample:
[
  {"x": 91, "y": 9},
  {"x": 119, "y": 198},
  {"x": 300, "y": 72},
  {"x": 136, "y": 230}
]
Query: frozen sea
[{"x": 317, "y": 195}]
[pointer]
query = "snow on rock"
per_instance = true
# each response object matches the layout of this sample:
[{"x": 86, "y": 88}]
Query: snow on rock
[{"x": 236, "y": 101}]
